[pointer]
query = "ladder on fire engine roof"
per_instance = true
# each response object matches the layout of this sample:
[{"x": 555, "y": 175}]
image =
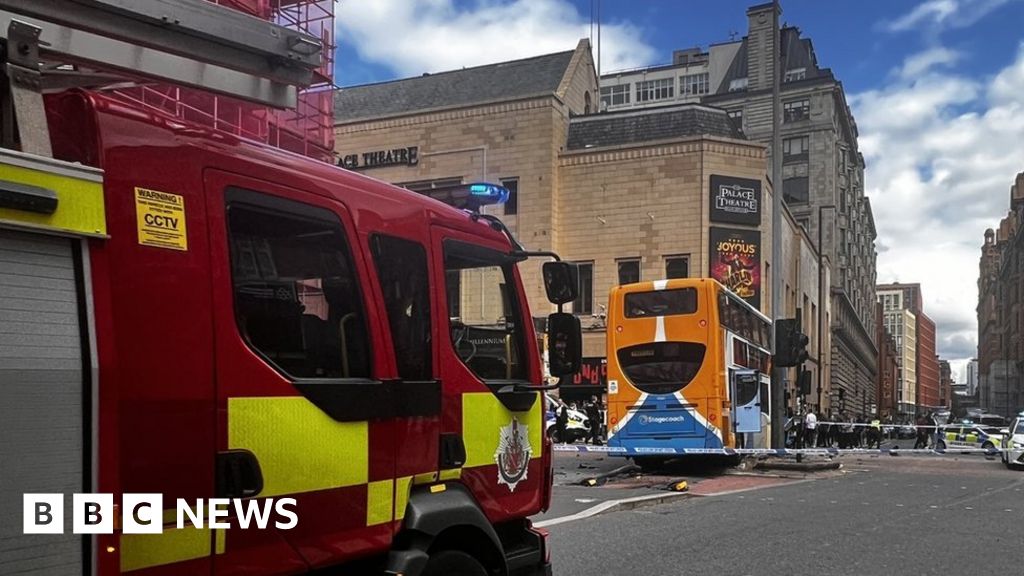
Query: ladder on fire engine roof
[{"x": 58, "y": 44}]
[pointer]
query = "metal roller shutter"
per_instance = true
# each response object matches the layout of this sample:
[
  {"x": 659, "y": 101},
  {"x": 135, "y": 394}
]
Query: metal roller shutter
[{"x": 41, "y": 397}]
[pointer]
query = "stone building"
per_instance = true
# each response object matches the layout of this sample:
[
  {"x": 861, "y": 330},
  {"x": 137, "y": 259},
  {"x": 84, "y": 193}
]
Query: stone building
[
  {"x": 889, "y": 360},
  {"x": 823, "y": 170},
  {"x": 897, "y": 300},
  {"x": 945, "y": 384},
  {"x": 1001, "y": 311},
  {"x": 627, "y": 195}
]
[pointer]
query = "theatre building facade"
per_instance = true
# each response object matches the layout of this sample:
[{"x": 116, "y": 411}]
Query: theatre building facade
[{"x": 648, "y": 194}]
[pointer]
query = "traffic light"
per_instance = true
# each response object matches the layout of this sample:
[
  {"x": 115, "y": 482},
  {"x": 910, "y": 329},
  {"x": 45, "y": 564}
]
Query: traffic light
[{"x": 790, "y": 343}]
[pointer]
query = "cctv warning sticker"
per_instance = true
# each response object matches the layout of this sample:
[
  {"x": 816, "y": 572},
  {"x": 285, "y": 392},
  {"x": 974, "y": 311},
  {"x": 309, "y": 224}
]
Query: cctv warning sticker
[{"x": 161, "y": 218}]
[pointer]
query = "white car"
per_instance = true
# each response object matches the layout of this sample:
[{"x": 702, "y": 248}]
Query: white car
[{"x": 1014, "y": 443}]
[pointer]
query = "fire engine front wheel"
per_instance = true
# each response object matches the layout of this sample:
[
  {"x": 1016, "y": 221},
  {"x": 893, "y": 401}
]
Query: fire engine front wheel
[{"x": 453, "y": 563}]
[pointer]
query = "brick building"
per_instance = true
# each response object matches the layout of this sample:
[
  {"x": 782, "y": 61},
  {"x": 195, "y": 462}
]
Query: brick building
[
  {"x": 823, "y": 170},
  {"x": 1001, "y": 311},
  {"x": 628, "y": 195}
]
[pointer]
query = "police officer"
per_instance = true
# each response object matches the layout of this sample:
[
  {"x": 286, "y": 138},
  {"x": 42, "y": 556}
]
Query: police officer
[
  {"x": 594, "y": 417},
  {"x": 561, "y": 420}
]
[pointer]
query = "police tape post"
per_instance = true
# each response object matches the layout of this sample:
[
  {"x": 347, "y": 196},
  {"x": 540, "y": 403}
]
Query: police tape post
[{"x": 144, "y": 513}]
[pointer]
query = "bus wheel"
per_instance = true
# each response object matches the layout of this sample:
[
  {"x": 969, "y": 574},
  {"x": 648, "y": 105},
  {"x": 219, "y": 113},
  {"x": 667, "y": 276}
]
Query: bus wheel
[
  {"x": 649, "y": 463},
  {"x": 453, "y": 563}
]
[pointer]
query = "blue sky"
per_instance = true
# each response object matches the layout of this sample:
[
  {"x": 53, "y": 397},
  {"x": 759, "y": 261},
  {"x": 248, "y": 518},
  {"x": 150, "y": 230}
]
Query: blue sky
[{"x": 936, "y": 86}]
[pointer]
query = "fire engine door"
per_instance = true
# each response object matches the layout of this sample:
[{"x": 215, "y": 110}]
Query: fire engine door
[
  {"x": 304, "y": 385},
  {"x": 482, "y": 357}
]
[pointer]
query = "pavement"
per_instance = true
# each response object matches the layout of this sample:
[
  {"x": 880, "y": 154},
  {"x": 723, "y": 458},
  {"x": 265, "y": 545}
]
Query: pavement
[{"x": 879, "y": 514}]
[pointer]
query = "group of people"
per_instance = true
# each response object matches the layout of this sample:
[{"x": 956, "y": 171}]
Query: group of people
[
  {"x": 595, "y": 419},
  {"x": 805, "y": 430}
]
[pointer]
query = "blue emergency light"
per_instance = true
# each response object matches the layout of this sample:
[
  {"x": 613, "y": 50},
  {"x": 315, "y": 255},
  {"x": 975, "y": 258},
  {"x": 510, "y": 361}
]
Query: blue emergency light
[{"x": 484, "y": 193}]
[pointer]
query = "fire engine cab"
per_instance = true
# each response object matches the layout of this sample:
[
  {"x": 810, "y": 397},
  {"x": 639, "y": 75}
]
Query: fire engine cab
[{"x": 188, "y": 314}]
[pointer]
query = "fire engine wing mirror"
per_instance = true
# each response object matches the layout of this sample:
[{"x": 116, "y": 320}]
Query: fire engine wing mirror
[
  {"x": 561, "y": 282},
  {"x": 565, "y": 344}
]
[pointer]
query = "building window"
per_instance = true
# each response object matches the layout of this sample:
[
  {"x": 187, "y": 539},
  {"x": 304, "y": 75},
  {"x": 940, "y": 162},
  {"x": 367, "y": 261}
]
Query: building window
[
  {"x": 629, "y": 271},
  {"x": 795, "y": 110},
  {"x": 737, "y": 118},
  {"x": 795, "y": 148},
  {"x": 586, "y": 103},
  {"x": 795, "y": 190},
  {"x": 584, "y": 305},
  {"x": 512, "y": 204},
  {"x": 794, "y": 74},
  {"x": 695, "y": 84},
  {"x": 615, "y": 95},
  {"x": 738, "y": 85},
  {"x": 453, "y": 282},
  {"x": 677, "y": 267},
  {"x": 650, "y": 90}
]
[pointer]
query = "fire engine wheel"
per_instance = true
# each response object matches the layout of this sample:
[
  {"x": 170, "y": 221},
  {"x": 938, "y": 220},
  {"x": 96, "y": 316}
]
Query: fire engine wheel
[{"x": 453, "y": 563}]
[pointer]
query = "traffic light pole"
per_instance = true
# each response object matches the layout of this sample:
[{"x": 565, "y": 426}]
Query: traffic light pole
[{"x": 778, "y": 399}]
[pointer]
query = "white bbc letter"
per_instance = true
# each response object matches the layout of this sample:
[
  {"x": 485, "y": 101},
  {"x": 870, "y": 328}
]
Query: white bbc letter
[
  {"x": 215, "y": 512},
  {"x": 43, "y": 514},
  {"x": 143, "y": 513},
  {"x": 92, "y": 513},
  {"x": 186, "y": 511},
  {"x": 279, "y": 507}
]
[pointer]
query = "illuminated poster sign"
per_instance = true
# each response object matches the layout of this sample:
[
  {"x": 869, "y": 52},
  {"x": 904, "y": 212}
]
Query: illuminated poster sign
[
  {"x": 735, "y": 261},
  {"x": 593, "y": 372},
  {"x": 735, "y": 200}
]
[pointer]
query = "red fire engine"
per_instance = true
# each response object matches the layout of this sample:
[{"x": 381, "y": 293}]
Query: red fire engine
[{"x": 190, "y": 314}]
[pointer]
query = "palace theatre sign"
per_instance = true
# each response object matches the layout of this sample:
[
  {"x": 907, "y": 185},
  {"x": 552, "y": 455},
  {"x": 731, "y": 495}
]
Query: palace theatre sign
[{"x": 408, "y": 156}]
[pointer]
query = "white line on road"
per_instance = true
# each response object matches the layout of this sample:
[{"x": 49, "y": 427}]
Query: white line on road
[{"x": 609, "y": 505}]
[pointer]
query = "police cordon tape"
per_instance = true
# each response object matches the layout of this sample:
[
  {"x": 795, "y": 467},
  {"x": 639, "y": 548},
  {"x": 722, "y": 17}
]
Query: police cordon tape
[{"x": 619, "y": 451}]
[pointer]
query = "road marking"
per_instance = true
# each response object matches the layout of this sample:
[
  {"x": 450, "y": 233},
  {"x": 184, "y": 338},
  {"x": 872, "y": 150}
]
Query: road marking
[
  {"x": 610, "y": 505},
  {"x": 752, "y": 488}
]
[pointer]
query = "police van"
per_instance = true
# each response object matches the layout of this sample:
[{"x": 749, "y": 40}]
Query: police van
[{"x": 969, "y": 435}]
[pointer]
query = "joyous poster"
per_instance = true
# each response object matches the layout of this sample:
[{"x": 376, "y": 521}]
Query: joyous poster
[{"x": 735, "y": 257}]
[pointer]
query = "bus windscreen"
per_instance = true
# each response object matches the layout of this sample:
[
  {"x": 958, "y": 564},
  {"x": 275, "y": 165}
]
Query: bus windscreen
[
  {"x": 660, "y": 303},
  {"x": 661, "y": 367}
]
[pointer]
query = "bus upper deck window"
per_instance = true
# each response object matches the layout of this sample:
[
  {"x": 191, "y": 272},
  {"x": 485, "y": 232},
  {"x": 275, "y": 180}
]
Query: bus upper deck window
[{"x": 661, "y": 303}]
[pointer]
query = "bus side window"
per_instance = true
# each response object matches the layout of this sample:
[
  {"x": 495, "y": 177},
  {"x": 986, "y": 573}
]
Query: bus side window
[{"x": 297, "y": 297}]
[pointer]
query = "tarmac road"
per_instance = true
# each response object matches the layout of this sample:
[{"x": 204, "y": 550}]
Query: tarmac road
[{"x": 942, "y": 515}]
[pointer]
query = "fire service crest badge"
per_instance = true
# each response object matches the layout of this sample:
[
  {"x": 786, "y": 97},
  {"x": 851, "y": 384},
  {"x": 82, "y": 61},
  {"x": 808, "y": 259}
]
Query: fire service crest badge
[{"x": 513, "y": 454}]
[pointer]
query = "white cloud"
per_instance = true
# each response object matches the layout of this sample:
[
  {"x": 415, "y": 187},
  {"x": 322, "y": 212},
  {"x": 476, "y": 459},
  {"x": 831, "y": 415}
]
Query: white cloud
[
  {"x": 941, "y": 152},
  {"x": 416, "y": 36},
  {"x": 923, "y": 62},
  {"x": 941, "y": 14}
]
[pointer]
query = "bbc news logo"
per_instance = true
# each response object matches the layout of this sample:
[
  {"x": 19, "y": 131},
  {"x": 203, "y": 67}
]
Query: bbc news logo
[{"x": 144, "y": 513}]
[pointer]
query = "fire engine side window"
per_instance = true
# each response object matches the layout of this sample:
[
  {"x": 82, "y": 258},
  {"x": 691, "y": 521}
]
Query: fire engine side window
[
  {"x": 488, "y": 334},
  {"x": 402, "y": 269},
  {"x": 297, "y": 299}
]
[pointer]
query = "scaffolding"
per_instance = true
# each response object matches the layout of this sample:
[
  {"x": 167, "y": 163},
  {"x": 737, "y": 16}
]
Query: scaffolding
[{"x": 307, "y": 129}]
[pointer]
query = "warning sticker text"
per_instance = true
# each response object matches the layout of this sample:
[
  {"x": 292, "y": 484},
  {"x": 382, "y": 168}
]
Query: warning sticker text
[{"x": 161, "y": 218}]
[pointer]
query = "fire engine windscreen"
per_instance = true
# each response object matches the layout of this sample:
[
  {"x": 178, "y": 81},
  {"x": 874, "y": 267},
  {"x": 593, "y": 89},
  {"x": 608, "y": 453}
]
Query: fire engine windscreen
[
  {"x": 297, "y": 297},
  {"x": 484, "y": 311}
]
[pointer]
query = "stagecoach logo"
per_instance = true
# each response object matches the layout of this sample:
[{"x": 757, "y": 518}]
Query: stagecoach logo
[{"x": 513, "y": 454}]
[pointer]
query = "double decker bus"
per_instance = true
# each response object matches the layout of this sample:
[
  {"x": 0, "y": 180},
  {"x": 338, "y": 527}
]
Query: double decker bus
[{"x": 688, "y": 370}]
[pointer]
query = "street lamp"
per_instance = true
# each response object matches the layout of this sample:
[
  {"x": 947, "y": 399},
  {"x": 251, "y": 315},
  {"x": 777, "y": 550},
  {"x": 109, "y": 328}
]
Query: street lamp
[{"x": 821, "y": 298}]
